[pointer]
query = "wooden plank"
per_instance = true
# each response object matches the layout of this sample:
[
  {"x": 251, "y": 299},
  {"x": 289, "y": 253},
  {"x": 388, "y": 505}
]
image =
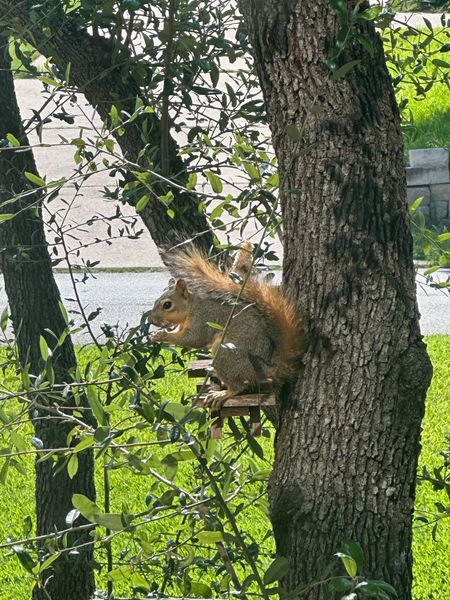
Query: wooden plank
[
  {"x": 246, "y": 400},
  {"x": 250, "y": 400},
  {"x": 235, "y": 411},
  {"x": 199, "y": 368}
]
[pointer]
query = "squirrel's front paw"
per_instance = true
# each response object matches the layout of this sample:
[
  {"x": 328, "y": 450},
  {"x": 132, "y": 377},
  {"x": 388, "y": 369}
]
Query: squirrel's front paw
[
  {"x": 215, "y": 400},
  {"x": 156, "y": 336}
]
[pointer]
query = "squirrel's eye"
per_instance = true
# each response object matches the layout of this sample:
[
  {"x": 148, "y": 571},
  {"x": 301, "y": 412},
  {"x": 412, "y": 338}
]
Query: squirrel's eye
[{"x": 167, "y": 305}]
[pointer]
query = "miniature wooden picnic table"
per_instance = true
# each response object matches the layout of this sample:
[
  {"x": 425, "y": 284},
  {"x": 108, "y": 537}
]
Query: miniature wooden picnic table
[{"x": 246, "y": 404}]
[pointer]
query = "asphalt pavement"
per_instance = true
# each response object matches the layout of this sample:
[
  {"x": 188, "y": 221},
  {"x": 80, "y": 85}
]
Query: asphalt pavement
[{"x": 124, "y": 297}]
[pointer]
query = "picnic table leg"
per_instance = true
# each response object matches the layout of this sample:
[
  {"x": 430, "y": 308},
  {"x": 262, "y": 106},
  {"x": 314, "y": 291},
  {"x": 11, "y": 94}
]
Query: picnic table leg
[
  {"x": 255, "y": 421},
  {"x": 216, "y": 427}
]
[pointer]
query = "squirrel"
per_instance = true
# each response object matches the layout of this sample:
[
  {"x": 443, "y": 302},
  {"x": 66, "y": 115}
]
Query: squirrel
[{"x": 263, "y": 339}]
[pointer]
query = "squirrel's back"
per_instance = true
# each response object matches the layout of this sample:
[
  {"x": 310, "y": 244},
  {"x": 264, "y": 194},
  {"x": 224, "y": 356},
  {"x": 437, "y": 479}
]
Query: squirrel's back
[{"x": 205, "y": 278}]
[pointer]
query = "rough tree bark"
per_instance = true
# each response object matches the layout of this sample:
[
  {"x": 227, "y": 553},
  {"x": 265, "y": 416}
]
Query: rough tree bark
[
  {"x": 349, "y": 438},
  {"x": 104, "y": 77},
  {"x": 34, "y": 305}
]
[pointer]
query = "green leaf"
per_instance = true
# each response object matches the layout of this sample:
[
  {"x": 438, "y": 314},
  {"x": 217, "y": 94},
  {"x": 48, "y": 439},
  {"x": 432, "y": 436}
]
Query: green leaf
[
  {"x": 443, "y": 237},
  {"x": 415, "y": 205},
  {"x": 111, "y": 521},
  {"x": 86, "y": 443},
  {"x": 342, "y": 71},
  {"x": 277, "y": 570},
  {"x": 12, "y": 140},
  {"x": 4, "y": 319},
  {"x": 34, "y": 179},
  {"x": 27, "y": 525},
  {"x": 231, "y": 94},
  {"x": 72, "y": 466},
  {"x": 200, "y": 589},
  {"x": 170, "y": 465},
  {"x": 63, "y": 311},
  {"x": 340, "y": 584},
  {"x": 175, "y": 410},
  {"x": 340, "y": 6},
  {"x": 67, "y": 73},
  {"x": 48, "y": 561},
  {"x": 376, "y": 585},
  {"x": 120, "y": 574},
  {"x": 210, "y": 537},
  {"x": 366, "y": 43},
  {"x": 349, "y": 564},
  {"x": 24, "y": 558},
  {"x": 114, "y": 114},
  {"x": 214, "y": 181},
  {"x": 252, "y": 171},
  {"x": 4, "y": 471},
  {"x": 214, "y": 74},
  {"x": 95, "y": 404},
  {"x": 217, "y": 212},
  {"x": 432, "y": 270},
  {"x": 49, "y": 81},
  {"x": 87, "y": 508},
  {"x": 166, "y": 198},
  {"x": 371, "y": 13},
  {"x": 109, "y": 143},
  {"x": 192, "y": 181},
  {"x": 293, "y": 132},
  {"x": 215, "y": 325},
  {"x": 273, "y": 180},
  {"x": 43, "y": 348},
  {"x": 6, "y": 217},
  {"x": 18, "y": 441},
  {"x": 354, "y": 550},
  {"x": 142, "y": 203},
  {"x": 261, "y": 475},
  {"x": 256, "y": 447},
  {"x": 138, "y": 580},
  {"x": 440, "y": 63}
]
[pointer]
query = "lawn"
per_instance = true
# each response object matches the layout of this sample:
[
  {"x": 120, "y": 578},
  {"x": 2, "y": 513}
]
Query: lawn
[
  {"x": 426, "y": 115},
  {"x": 432, "y": 572}
]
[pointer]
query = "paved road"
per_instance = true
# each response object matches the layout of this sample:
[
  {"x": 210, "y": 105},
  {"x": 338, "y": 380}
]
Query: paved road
[{"x": 125, "y": 296}]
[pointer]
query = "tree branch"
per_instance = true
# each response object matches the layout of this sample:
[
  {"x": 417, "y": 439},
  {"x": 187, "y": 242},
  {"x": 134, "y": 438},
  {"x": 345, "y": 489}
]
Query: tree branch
[{"x": 100, "y": 72}]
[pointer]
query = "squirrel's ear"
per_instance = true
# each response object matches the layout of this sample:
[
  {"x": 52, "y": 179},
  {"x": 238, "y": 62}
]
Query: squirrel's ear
[
  {"x": 181, "y": 287},
  {"x": 172, "y": 282}
]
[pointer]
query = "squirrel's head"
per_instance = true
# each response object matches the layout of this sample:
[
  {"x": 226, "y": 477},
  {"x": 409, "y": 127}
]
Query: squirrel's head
[{"x": 172, "y": 307}]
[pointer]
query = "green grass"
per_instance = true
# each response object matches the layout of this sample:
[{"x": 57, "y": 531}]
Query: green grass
[
  {"x": 431, "y": 118},
  {"x": 432, "y": 573},
  {"x": 432, "y": 559},
  {"x": 429, "y": 112}
]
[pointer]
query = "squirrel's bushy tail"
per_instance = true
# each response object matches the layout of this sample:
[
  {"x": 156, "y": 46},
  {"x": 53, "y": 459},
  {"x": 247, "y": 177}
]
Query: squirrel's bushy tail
[{"x": 205, "y": 278}]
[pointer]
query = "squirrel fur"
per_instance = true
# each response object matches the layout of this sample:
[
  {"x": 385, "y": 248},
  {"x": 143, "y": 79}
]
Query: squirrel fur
[{"x": 262, "y": 341}]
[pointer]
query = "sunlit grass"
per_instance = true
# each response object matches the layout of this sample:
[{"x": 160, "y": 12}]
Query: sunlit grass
[
  {"x": 429, "y": 112},
  {"x": 431, "y": 568}
]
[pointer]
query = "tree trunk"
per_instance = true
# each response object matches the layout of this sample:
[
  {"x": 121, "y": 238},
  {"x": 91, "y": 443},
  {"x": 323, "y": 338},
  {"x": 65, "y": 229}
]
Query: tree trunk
[
  {"x": 349, "y": 436},
  {"x": 105, "y": 79},
  {"x": 34, "y": 304}
]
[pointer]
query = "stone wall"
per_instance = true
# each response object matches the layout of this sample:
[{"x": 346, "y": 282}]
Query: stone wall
[{"x": 429, "y": 176}]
